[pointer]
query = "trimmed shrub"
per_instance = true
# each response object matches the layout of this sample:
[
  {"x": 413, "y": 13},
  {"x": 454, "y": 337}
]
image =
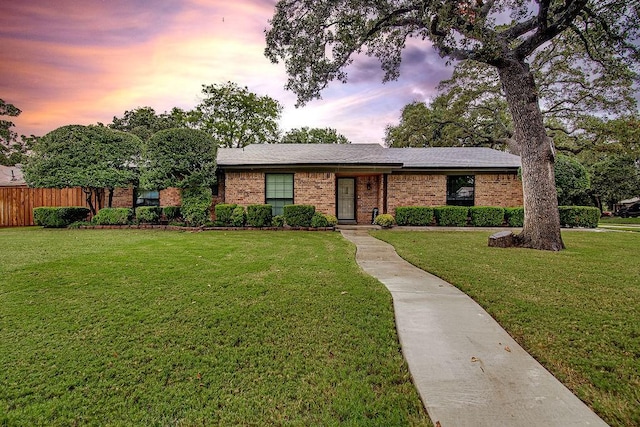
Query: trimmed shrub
[
  {"x": 451, "y": 216},
  {"x": 277, "y": 221},
  {"x": 238, "y": 217},
  {"x": 196, "y": 204},
  {"x": 514, "y": 216},
  {"x": 59, "y": 217},
  {"x": 148, "y": 214},
  {"x": 319, "y": 220},
  {"x": 113, "y": 216},
  {"x": 486, "y": 216},
  {"x": 384, "y": 220},
  {"x": 414, "y": 215},
  {"x": 171, "y": 213},
  {"x": 224, "y": 212},
  {"x": 332, "y": 220},
  {"x": 579, "y": 216},
  {"x": 259, "y": 215},
  {"x": 298, "y": 215}
]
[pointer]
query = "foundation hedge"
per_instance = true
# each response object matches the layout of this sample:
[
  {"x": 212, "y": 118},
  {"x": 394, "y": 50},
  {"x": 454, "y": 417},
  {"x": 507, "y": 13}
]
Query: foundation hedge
[
  {"x": 171, "y": 213},
  {"x": 319, "y": 220},
  {"x": 451, "y": 216},
  {"x": 414, "y": 215},
  {"x": 277, "y": 221},
  {"x": 148, "y": 214},
  {"x": 486, "y": 216},
  {"x": 384, "y": 220},
  {"x": 238, "y": 217},
  {"x": 113, "y": 216},
  {"x": 224, "y": 211},
  {"x": 298, "y": 215},
  {"x": 579, "y": 216},
  {"x": 514, "y": 216},
  {"x": 59, "y": 217},
  {"x": 196, "y": 205},
  {"x": 259, "y": 215}
]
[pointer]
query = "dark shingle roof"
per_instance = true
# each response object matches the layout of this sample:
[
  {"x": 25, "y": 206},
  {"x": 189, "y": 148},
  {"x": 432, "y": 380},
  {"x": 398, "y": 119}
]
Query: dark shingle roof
[
  {"x": 365, "y": 154},
  {"x": 454, "y": 157},
  {"x": 292, "y": 154}
]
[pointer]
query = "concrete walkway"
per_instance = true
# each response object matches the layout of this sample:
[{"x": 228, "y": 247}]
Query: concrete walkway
[{"x": 467, "y": 369}]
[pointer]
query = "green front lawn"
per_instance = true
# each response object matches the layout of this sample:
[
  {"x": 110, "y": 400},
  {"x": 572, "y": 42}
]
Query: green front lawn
[
  {"x": 618, "y": 220},
  {"x": 111, "y": 327},
  {"x": 576, "y": 311}
]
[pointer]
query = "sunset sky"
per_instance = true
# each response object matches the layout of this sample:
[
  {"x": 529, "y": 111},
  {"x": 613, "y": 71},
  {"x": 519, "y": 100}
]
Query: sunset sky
[{"x": 84, "y": 61}]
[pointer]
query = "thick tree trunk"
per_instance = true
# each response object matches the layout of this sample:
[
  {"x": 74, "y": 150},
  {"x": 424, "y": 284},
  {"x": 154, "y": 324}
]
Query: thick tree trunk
[{"x": 541, "y": 218}]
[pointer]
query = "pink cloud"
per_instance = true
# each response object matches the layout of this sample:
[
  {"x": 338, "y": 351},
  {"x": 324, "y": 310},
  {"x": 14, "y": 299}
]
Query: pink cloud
[{"x": 86, "y": 62}]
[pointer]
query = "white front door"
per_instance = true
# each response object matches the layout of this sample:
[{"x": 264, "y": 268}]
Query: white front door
[{"x": 346, "y": 199}]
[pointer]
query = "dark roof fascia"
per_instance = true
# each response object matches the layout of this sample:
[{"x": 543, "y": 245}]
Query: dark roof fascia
[
  {"x": 509, "y": 169},
  {"x": 324, "y": 166}
]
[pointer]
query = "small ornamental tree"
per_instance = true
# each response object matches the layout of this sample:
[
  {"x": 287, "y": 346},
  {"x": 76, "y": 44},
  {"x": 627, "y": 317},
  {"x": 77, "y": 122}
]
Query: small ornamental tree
[
  {"x": 183, "y": 158},
  {"x": 91, "y": 157}
]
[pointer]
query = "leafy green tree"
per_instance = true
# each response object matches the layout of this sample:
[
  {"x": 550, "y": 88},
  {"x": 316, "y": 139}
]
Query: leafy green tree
[
  {"x": 615, "y": 178},
  {"x": 304, "y": 135},
  {"x": 12, "y": 149},
  {"x": 183, "y": 158},
  {"x": 144, "y": 121},
  {"x": 236, "y": 117},
  {"x": 318, "y": 40},
  {"x": 91, "y": 157},
  {"x": 572, "y": 182},
  {"x": 471, "y": 110}
]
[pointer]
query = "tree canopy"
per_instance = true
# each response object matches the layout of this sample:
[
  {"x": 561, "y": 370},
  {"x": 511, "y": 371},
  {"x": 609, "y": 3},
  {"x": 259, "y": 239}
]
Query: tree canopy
[
  {"x": 572, "y": 182},
  {"x": 318, "y": 40},
  {"x": 144, "y": 121},
  {"x": 12, "y": 150},
  {"x": 184, "y": 158},
  {"x": 236, "y": 117},
  {"x": 305, "y": 135},
  {"x": 615, "y": 178},
  {"x": 91, "y": 157}
]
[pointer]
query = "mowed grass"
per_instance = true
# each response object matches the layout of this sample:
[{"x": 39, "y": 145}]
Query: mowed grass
[
  {"x": 576, "y": 311},
  {"x": 618, "y": 220},
  {"x": 111, "y": 327}
]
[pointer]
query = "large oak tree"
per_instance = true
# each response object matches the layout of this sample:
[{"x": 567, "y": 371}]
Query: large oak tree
[{"x": 318, "y": 39}]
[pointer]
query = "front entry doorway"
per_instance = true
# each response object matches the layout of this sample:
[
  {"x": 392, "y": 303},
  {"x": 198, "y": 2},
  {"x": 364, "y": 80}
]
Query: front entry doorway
[{"x": 347, "y": 199}]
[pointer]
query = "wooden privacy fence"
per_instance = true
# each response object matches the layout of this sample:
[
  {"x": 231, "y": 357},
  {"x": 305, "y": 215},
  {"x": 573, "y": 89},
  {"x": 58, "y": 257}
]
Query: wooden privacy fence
[{"x": 17, "y": 203}]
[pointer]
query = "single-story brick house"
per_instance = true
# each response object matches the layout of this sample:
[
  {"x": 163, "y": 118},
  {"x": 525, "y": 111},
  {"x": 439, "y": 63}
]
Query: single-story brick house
[{"x": 352, "y": 180}]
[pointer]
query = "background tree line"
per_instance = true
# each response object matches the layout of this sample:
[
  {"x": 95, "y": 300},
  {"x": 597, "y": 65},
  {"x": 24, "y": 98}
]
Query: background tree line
[
  {"x": 594, "y": 124},
  {"x": 150, "y": 150}
]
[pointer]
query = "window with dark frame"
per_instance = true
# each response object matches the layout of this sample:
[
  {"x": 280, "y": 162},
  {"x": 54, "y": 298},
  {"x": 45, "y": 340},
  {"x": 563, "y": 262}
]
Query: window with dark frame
[
  {"x": 460, "y": 190},
  {"x": 148, "y": 198},
  {"x": 278, "y": 191}
]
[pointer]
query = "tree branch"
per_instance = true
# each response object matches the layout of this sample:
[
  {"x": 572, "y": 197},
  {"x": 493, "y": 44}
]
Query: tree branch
[{"x": 566, "y": 15}]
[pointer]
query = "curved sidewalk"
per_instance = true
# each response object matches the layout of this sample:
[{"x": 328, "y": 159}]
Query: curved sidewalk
[{"x": 467, "y": 369}]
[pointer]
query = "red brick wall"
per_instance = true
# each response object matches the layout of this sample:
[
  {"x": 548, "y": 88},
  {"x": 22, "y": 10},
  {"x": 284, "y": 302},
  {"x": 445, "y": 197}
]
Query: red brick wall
[
  {"x": 415, "y": 190},
  {"x": 122, "y": 197},
  {"x": 317, "y": 189},
  {"x": 498, "y": 190},
  {"x": 221, "y": 187},
  {"x": 367, "y": 199},
  {"x": 244, "y": 188},
  {"x": 170, "y": 197}
]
